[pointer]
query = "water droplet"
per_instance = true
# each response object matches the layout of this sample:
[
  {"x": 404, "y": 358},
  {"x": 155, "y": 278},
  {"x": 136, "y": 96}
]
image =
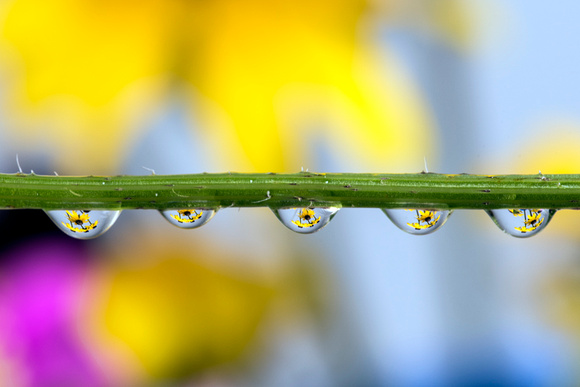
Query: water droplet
[
  {"x": 305, "y": 220},
  {"x": 521, "y": 223},
  {"x": 418, "y": 222},
  {"x": 188, "y": 218},
  {"x": 83, "y": 224}
]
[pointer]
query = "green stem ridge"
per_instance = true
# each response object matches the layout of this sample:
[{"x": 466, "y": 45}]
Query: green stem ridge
[{"x": 304, "y": 189}]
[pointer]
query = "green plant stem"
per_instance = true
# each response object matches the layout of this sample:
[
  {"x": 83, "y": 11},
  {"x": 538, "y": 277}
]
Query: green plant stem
[{"x": 423, "y": 190}]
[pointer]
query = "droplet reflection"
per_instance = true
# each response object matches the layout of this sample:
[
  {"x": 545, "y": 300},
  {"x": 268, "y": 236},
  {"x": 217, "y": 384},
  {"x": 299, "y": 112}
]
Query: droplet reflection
[
  {"x": 188, "y": 218},
  {"x": 305, "y": 220},
  {"x": 417, "y": 222},
  {"x": 521, "y": 223},
  {"x": 83, "y": 224}
]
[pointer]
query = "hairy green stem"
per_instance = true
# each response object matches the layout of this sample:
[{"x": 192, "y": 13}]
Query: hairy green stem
[{"x": 304, "y": 189}]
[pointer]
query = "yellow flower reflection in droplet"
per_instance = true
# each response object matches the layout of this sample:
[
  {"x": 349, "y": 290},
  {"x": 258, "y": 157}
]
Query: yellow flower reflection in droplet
[
  {"x": 79, "y": 221},
  {"x": 532, "y": 221},
  {"x": 306, "y": 218},
  {"x": 187, "y": 216},
  {"x": 425, "y": 219},
  {"x": 515, "y": 212}
]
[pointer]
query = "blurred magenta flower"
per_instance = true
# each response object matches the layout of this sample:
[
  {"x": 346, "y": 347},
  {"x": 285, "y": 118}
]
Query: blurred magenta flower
[{"x": 40, "y": 288}]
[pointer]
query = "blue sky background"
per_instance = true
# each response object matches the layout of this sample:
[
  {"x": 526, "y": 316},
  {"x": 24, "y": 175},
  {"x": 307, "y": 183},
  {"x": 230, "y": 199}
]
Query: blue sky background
[{"x": 529, "y": 76}]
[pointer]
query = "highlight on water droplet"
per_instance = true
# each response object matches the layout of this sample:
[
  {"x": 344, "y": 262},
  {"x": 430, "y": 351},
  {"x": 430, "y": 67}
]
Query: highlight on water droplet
[
  {"x": 83, "y": 224},
  {"x": 416, "y": 221},
  {"x": 305, "y": 220},
  {"x": 189, "y": 217},
  {"x": 519, "y": 222}
]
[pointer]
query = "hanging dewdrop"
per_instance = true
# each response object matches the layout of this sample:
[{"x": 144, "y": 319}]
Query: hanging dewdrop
[
  {"x": 188, "y": 218},
  {"x": 417, "y": 222},
  {"x": 521, "y": 205},
  {"x": 305, "y": 220},
  {"x": 521, "y": 223},
  {"x": 83, "y": 224}
]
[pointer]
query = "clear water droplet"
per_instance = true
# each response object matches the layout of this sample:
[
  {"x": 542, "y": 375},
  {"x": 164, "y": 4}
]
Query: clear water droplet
[
  {"x": 83, "y": 224},
  {"x": 305, "y": 220},
  {"x": 417, "y": 222},
  {"x": 188, "y": 218},
  {"x": 519, "y": 222}
]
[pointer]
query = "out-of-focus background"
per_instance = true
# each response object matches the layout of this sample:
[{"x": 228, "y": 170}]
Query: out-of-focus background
[{"x": 180, "y": 86}]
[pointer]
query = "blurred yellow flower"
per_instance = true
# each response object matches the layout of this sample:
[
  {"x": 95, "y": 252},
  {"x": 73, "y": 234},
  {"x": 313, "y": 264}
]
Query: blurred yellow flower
[
  {"x": 263, "y": 76},
  {"x": 158, "y": 310},
  {"x": 177, "y": 317}
]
